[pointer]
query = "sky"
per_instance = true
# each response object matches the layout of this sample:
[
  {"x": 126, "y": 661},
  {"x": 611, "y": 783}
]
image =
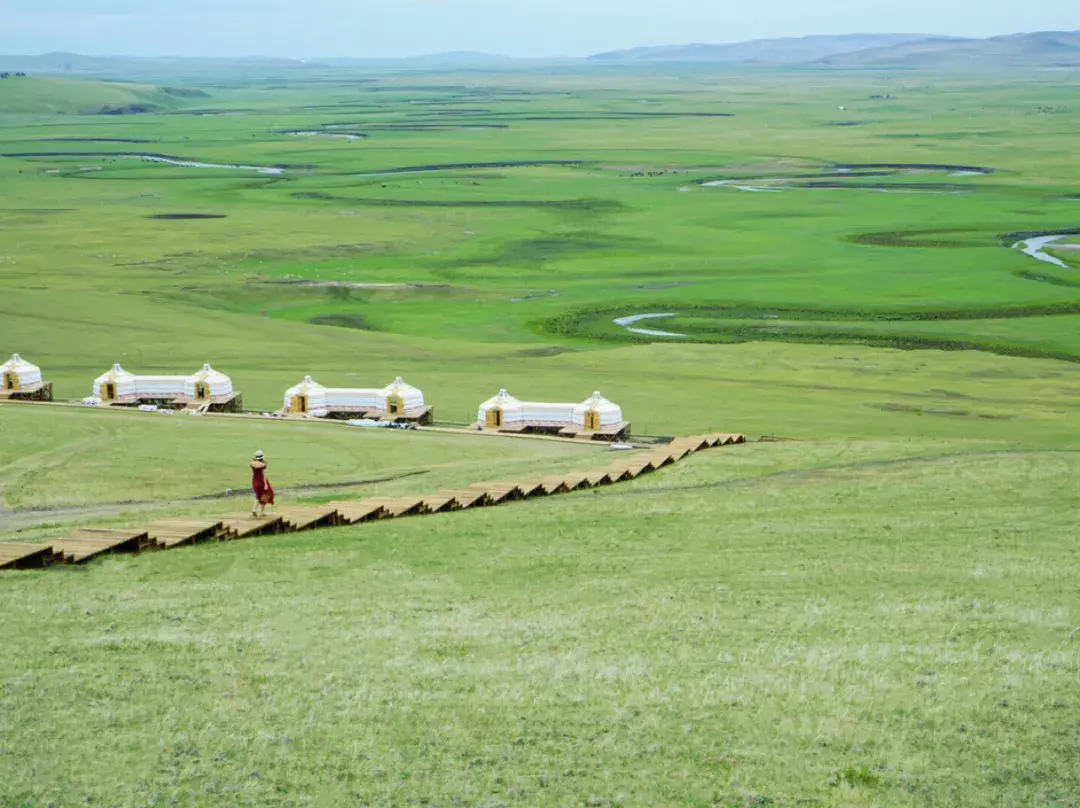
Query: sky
[{"x": 534, "y": 28}]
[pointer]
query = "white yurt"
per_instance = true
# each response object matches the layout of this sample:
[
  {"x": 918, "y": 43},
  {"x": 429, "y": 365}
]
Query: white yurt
[
  {"x": 18, "y": 374},
  {"x": 597, "y": 413},
  {"x": 207, "y": 384},
  {"x": 499, "y": 411},
  {"x": 307, "y": 398},
  {"x": 116, "y": 383},
  {"x": 399, "y": 397}
]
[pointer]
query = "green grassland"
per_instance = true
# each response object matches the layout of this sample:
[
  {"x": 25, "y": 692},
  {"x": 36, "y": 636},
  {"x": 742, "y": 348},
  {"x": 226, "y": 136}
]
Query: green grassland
[
  {"x": 879, "y": 610},
  {"x": 33, "y": 95}
]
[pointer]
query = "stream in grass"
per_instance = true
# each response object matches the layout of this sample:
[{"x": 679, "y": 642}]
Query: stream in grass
[
  {"x": 628, "y": 322},
  {"x": 1034, "y": 247}
]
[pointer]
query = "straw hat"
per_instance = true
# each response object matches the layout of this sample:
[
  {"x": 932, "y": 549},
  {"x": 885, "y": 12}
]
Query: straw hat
[{"x": 259, "y": 455}]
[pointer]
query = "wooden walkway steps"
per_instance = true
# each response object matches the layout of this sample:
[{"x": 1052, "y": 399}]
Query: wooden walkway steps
[
  {"x": 21, "y": 555},
  {"x": 246, "y": 527},
  {"x": 84, "y": 545},
  {"x": 308, "y": 518},
  {"x": 178, "y": 532}
]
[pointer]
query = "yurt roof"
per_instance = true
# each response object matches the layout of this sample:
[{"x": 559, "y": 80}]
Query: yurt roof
[
  {"x": 399, "y": 386},
  {"x": 306, "y": 386},
  {"x": 502, "y": 399},
  {"x": 598, "y": 402},
  {"x": 115, "y": 372},
  {"x": 17, "y": 364},
  {"x": 207, "y": 373}
]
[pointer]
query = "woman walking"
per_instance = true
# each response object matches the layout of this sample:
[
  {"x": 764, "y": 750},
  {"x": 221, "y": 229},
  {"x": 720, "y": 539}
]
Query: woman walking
[{"x": 260, "y": 485}]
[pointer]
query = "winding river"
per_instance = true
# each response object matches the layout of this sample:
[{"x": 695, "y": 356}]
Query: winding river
[
  {"x": 628, "y": 322},
  {"x": 1034, "y": 247}
]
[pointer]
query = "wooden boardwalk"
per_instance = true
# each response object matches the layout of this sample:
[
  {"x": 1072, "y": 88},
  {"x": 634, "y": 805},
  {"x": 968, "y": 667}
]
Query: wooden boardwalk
[{"x": 90, "y": 543}]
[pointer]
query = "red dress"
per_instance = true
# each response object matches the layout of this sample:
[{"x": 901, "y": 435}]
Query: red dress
[{"x": 264, "y": 493}]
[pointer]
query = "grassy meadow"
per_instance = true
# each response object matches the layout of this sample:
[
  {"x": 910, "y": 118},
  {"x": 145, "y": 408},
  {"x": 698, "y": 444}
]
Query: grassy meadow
[{"x": 878, "y": 610}]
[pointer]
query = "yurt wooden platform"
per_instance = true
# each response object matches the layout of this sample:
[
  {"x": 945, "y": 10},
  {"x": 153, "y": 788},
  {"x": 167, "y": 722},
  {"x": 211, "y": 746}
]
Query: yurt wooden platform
[
  {"x": 35, "y": 392},
  {"x": 609, "y": 434},
  {"x": 421, "y": 417},
  {"x": 87, "y": 544},
  {"x": 229, "y": 403}
]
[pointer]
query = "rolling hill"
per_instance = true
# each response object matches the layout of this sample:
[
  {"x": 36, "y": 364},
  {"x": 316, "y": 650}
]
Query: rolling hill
[
  {"x": 36, "y": 95},
  {"x": 788, "y": 50},
  {"x": 1041, "y": 49}
]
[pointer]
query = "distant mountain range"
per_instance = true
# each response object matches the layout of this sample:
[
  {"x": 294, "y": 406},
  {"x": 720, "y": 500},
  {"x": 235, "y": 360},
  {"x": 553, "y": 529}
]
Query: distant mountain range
[
  {"x": 790, "y": 50},
  {"x": 1033, "y": 50},
  {"x": 1042, "y": 49}
]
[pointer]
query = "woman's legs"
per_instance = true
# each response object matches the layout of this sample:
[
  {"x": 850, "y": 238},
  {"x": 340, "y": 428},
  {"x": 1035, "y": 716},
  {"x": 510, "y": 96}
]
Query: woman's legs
[{"x": 255, "y": 507}]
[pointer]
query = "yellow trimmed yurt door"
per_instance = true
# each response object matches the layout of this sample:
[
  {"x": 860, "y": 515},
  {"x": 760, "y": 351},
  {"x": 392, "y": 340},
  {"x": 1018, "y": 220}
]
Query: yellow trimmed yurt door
[
  {"x": 395, "y": 405},
  {"x": 202, "y": 391},
  {"x": 11, "y": 381},
  {"x": 493, "y": 419},
  {"x": 108, "y": 391},
  {"x": 300, "y": 405},
  {"x": 592, "y": 421}
]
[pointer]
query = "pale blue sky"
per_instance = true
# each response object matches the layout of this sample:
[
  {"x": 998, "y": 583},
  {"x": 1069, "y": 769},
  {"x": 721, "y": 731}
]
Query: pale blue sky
[{"x": 306, "y": 28}]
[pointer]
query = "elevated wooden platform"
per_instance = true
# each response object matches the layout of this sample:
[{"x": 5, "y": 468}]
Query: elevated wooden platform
[
  {"x": 83, "y": 545},
  {"x": 608, "y": 435},
  {"x": 246, "y": 527},
  {"x": 230, "y": 403},
  {"x": 179, "y": 532},
  {"x": 420, "y": 417},
  {"x": 87, "y": 544},
  {"x": 18, "y": 555},
  {"x": 33, "y": 392}
]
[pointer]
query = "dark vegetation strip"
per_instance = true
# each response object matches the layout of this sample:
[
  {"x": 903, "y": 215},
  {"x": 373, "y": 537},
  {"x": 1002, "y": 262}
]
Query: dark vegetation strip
[
  {"x": 1009, "y": 239},
  {"x": 1050, "y": 279},
  {"x": 463, "y": 166},
  {"x": 918, "y": 167},
  {"x": 909, "y": 238},
  {"x": 883, "y": 186},
  {"x": 185, "y": 216},
  {"x": 91, "y": 140},
  {"x": 594, "y": 205}
]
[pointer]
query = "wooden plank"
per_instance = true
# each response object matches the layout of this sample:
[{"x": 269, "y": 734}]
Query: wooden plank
[
  {"x": 555, "y": 485},
  {"x": 660, "y": 460},
  {"x": 406, "y": 506},
  {"x": 576, "y": 480},
  {"x": 468, "y": 499},
  {"x": 533, "y": 488},
  {"x": 356, "y": 511},
  {"x": 309, "y": 518},
  {"x": 499, "y": 492},
  {"x": 441, "y": 503},
  {"x": 395, "y": 507},
  {"x": 84, "y": 545},
  {"x": 599, "y": 477},
  {"x": 19, "y": 555},
  {"x": 250, "y": 526}
]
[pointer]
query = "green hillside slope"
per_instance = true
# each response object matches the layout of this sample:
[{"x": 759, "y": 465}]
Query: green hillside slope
[{"x": 36, "y": 96}]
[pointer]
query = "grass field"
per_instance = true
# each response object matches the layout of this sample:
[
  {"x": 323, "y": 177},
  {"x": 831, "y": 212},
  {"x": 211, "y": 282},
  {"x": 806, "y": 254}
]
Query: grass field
[{"x": 880, "y": 610}]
